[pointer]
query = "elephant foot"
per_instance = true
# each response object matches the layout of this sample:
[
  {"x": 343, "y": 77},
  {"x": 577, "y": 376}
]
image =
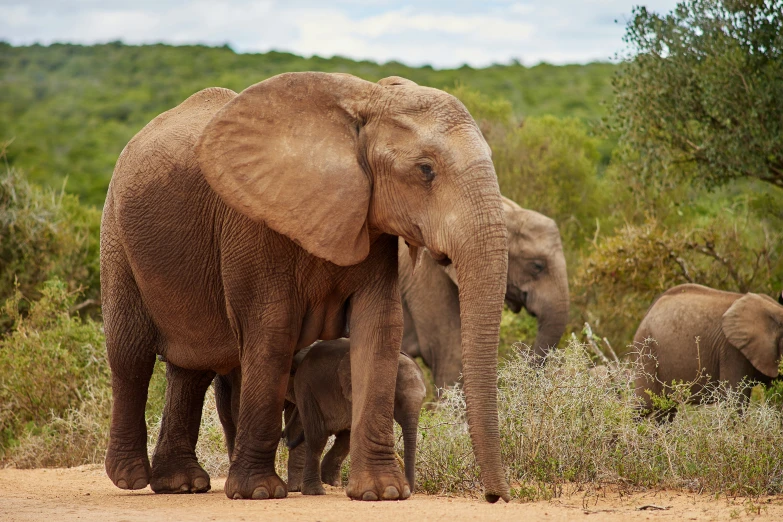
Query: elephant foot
[
  {"x": 179, "y": 475},
  {"x": 331, "y": 477},
  {"x": 313, "y": 489},
  {"x": 128, "y": 469},
  {"x": 244, "y": 484},
  {"x": 295, "y": 487},
  {"x": 388, "y": 485}
]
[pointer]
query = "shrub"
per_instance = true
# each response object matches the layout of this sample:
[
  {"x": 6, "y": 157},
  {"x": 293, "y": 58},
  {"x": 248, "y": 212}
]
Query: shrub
[
  {"x": 621, "y": 276},
  {"x": 45, "y": 234},
  {"x": 565, "y": 427},
  {"x": 49, "y": 362}
]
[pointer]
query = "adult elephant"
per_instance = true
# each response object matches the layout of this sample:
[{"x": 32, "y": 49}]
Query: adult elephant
[
  {"x": 240, "y": 228},
  {"x": 703, "y": 336},
  {"x": 537, "y": 281}
]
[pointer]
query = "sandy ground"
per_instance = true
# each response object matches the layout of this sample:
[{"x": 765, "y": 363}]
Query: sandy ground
[{"x": 86, "y": 494}]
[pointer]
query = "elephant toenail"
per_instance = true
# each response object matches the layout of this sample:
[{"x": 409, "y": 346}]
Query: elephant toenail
[
  {"x": 184, "y": 488},
  {"x": 391, "y": 493},
  {"x": 369, "y": 496},
  {"x": 200, "y": 483},
  {"x": 280, "y": 492},
  {"x": 237, "y": 496},
  {"x": 406, "y": 492},
  {"x": 260, "y": 493},
  {"x": 140, "y": 483},
  {"x": 122, "y": 484}
]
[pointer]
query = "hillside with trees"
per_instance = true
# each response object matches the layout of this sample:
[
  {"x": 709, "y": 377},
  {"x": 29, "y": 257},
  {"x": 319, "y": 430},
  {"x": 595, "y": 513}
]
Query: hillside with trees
[{"x": 70, "y": 109}]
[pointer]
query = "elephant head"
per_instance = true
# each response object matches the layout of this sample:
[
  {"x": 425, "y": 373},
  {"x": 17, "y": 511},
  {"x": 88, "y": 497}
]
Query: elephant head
[
  {"x": 754, "y": 325},
  {"x": 332, "y": 162},
  {"x": 537, "y": 278}
]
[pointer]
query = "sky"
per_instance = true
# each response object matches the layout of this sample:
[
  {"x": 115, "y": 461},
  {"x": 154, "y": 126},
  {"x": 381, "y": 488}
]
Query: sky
[{"x": 439, "y": 33}]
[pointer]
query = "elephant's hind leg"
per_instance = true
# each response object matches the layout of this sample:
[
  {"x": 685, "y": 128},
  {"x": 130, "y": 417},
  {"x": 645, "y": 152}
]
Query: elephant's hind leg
[
  {"x": 227, "y": 403},
  {"x": 333, "y": 460},
  {"x": 175, "y": 468},
  {"x": 131, "y": 342}
]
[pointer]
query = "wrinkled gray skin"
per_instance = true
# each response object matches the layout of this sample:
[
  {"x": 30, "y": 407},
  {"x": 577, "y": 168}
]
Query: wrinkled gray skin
[
  {"x": 537, "y": 281},
  {"x": 241, "y": 228},
  {"x": 320, "y": 392},
  {"x": 740, "y": 335}
]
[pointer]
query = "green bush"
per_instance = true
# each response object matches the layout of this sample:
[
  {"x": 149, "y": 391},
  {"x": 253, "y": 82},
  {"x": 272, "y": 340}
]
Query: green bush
[
  {"x": 49, "y": 362},
  {"x": 45, "y": 234},
  {"x": 55, "y": 392},
  {"x": 617, "y": 281}
]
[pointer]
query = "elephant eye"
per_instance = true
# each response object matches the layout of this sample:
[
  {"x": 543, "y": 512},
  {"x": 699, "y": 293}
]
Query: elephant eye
[
  {"x": 426, "y": 169},
  {"x": 537, "y": 266}
]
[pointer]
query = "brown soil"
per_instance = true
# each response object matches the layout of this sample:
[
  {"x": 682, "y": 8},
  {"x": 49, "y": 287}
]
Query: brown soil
[{"x": 86, "y": 494}]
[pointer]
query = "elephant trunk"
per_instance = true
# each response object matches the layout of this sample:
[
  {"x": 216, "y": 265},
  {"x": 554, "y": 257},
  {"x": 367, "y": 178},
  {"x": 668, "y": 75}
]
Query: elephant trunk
[
  {"x": 410, "y": 428},
  {"x": 551, "y": 309},
  {"x": 551, "y": 325},
  {"x": 481, "y": 267}
]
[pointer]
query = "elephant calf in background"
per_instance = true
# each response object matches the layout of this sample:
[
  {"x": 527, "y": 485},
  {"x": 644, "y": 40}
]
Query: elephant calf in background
[
  {"x": 320, "y": 387},
  {"x": 740, "y": 335},
  {"x": 537, "y": 281}
]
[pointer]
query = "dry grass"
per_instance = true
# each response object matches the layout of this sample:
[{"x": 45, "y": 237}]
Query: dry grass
[{"x": 563, "y": 427}]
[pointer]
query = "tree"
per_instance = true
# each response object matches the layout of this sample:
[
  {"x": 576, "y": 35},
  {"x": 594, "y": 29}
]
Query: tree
[{"x": 701, "y": 93}]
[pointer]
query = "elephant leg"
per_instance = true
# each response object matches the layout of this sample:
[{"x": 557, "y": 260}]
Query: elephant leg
[
  {"x": 410, "y": 341},
  {"x": 315, "y": 437},
  {"x": 266, "y": 363},
  {"x": 175, "y": 468},
  {"x": 296, "y": 456},
  {"x": 332, "y": 464},
  {"x": 131, "y": 342},
  {"x": 227, "y": 403},
  {"x": 376, "y": 335}
]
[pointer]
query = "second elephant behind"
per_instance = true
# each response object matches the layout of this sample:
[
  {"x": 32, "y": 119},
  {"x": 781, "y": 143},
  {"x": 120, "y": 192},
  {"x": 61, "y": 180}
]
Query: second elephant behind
[{"x": 537, "y": 281}]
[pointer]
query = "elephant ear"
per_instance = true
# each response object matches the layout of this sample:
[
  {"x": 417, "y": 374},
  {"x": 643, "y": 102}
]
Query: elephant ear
[
  {"x": 286, "y": 152},
  {"x": 753, "y": 325}
]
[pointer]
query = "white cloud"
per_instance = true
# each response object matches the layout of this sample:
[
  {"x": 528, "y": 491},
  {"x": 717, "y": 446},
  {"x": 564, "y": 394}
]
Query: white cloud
[{"x": 442, "y": 33}]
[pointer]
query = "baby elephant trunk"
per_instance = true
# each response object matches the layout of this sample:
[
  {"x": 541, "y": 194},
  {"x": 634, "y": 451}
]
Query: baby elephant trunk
[
  {"x": 292, "y": 444},
  {"x": 410, "y": 428}
]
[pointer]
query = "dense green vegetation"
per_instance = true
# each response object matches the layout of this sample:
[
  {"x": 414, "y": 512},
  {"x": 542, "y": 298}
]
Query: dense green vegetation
[
  {"x": 70, "y": 109},
  {"x": 660, "y": 170},
  {"x": 702, "y": 96}
]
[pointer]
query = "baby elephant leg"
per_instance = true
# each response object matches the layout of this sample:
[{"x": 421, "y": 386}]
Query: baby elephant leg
[
  {"x": 296, "y": 456},
  {"x": 311, "y": 483},
  {"x": 333, "y": 461}
]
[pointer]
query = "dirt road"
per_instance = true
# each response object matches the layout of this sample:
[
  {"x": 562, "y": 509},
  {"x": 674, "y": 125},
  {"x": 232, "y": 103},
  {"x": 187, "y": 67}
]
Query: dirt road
[{"x": 86, "y": 494}]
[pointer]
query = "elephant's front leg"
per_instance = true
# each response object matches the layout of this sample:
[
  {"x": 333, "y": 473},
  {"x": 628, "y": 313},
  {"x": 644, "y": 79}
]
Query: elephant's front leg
[
  {"x": 175, "y": 468},
  {"x": 331, "y": 466},
  {"x": 376, "y": 334},
  {"x": 266, "y": 362}
]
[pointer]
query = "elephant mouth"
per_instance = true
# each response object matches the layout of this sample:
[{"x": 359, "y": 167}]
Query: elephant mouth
[
  {"x": 442, "y": 260},
  {"x": 516, "y": 299}
]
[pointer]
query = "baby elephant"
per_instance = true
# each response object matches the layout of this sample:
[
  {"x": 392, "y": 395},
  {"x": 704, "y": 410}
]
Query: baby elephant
[
  {"x": 321, "y": 390},
  {"x": 740, "y": 335}
]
